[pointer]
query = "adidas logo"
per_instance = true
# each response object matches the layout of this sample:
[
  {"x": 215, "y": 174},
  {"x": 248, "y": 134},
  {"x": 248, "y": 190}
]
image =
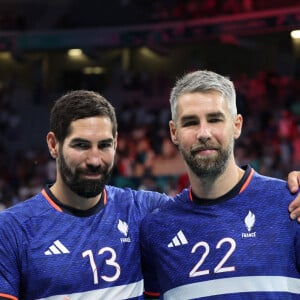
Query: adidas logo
[
  {"x": 178, "y": 240},
  {"x": 57, "y": 248}
]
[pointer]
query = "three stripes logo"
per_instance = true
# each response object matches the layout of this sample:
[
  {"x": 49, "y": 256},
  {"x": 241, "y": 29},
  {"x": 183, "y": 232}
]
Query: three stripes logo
[
  {"x": 178, "y": 240},
  {"x": 57, "y": 248}
]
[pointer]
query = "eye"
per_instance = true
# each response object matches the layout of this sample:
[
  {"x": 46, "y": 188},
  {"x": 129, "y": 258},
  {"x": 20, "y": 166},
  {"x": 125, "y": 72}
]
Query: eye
[
  {"x": 215, "y": 120},
  {"x": 189, "y": 123},
  {"x": 81, "y": 145},
  {"x": 105, "y": 145}
]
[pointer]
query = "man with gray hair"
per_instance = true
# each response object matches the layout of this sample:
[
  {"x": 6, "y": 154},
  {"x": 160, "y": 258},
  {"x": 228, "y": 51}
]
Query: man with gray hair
[{"x": 222, "y": 238}]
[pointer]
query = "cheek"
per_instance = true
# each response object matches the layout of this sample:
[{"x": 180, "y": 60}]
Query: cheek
[
  {"x": 74, "y": 159},
  {"x": 186, "y": 139},
  {"x": 109, "y": 156},
  {"x": 226, "y": 137}
]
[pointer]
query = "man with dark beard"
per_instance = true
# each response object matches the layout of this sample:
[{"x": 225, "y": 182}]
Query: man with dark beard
[
  {"x": 228, "y": 236},
  {"x": 78, "y": 238}
]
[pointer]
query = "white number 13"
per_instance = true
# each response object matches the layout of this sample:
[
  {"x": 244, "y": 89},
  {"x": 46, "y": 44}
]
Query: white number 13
[{"x": 111, "y": 262}]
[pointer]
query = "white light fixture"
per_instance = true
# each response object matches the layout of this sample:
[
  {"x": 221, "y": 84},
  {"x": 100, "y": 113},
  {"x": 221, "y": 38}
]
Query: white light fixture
[
  {"x": 75, "y": 52},
  {"x": 5, "y": 55},
  {"x": 295, "y": 34},
  {"x": 93, "y": 70}
]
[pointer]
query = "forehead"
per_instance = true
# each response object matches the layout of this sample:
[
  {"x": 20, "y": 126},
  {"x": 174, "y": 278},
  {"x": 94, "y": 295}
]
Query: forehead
[
  {"x": 201, "y": 102},
  {"x": 91, "y": 128}
]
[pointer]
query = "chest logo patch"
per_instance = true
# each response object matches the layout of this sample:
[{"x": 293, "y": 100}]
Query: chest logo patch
[
  {"x": 178, "y": 240},
  {"x": 249, "y": 223},
  {"x": 123, "y": 228},
  {"x": 57, "y": 248}
]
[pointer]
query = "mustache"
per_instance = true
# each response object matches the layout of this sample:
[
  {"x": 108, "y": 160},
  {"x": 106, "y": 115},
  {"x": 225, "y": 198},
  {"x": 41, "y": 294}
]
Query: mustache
[
  {"x": 203, "y": 147},
  {"x": 95, "y": 170}
]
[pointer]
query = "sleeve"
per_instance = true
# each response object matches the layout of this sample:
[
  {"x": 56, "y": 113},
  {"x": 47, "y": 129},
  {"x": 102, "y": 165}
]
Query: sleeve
[
  {"x": 297, "y": 244},
  {"x": 150, "y": 201},
  {"x": 9, "y": 269},
  {"x": 151, "y": 282}
]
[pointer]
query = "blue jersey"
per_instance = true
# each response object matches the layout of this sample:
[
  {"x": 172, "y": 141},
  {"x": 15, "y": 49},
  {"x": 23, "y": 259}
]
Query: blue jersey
[
  {"x": 240, "y": 246},
  {"x": 48, "y": 253}
]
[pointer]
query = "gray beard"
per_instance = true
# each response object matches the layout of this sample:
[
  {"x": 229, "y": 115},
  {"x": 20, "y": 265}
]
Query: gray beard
[{"x": 207, "y": 168}]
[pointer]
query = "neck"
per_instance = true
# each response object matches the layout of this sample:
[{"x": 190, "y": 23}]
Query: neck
[
  {"x": 211, "y": 188},
  {"x": 67, "y": 197}
]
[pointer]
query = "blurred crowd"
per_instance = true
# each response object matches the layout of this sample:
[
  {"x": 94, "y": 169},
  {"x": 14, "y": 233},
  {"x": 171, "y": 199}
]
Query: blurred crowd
[{"x": 146, "y": 158}]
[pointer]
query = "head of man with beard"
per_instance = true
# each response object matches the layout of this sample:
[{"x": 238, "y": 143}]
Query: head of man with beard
[
  {"x": 83, "y": 140},
  {"x": 204, "y": 126}
]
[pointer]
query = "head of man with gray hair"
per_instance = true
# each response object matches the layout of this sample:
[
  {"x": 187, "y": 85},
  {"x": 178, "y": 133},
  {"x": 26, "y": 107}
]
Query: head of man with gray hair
[
  {"x": 205, "y": 123},
  {"x": 203, "y": 81}
]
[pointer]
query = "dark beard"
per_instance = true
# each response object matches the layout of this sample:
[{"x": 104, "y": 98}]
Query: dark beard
[
  {"x": 207, "y": 168},
  {"x": 83, "y": 187}
]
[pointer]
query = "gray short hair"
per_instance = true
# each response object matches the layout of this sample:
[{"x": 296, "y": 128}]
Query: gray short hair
[{"x": 203, "y": 81}]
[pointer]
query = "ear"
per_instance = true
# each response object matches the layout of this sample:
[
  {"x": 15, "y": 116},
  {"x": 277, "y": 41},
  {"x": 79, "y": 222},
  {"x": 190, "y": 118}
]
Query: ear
[
  {"x": 173, "y": 135},
  {"x": 52, "y": 144},
  {"x": 238, "y": 124}
]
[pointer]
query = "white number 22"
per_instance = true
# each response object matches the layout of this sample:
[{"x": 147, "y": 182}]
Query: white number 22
[{"x": 219, "y": 268}]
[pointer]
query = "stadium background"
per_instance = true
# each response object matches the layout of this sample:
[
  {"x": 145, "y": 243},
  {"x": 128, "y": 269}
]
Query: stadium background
[{"x": 132, "y": 51}]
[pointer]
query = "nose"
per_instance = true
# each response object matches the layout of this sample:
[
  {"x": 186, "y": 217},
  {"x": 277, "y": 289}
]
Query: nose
[
  {"x": 203, "y": 132},
  {"x": 94, "y": 157}
]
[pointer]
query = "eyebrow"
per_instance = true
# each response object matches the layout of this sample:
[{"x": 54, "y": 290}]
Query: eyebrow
[
  {"x": 209, "y": 115},
  {"x": 78, "y": 140},
  {"x": 109, "y": 140},
  {"x": 216, "y": 114},
  {"x": 81, "y": 140}
]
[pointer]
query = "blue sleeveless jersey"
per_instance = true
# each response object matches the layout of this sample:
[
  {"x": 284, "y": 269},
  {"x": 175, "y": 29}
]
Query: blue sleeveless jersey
[
  {"x": 46, "y": 253},
  {"x": 240, "y": 247}
]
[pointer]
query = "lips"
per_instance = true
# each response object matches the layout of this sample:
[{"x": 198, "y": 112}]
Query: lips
[
  {"x": 91, "y": 176},
  {"x": 202, "y": 149},
  {"x": 91, "y": 173}
]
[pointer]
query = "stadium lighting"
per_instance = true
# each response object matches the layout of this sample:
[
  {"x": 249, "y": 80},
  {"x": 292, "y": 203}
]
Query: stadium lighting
[
  {"x": 295, "y": 34},
  {"x": 75, "y": 52},
  {"x": 93, "y": 70},
  {"x": 5, "y": 55}
]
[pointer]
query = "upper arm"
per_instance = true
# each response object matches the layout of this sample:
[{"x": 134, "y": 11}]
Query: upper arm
[
  {"x": 151, "y": 282},
  {"x": 152, "y": 200},
  {"x": 9, "y": 269}
]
